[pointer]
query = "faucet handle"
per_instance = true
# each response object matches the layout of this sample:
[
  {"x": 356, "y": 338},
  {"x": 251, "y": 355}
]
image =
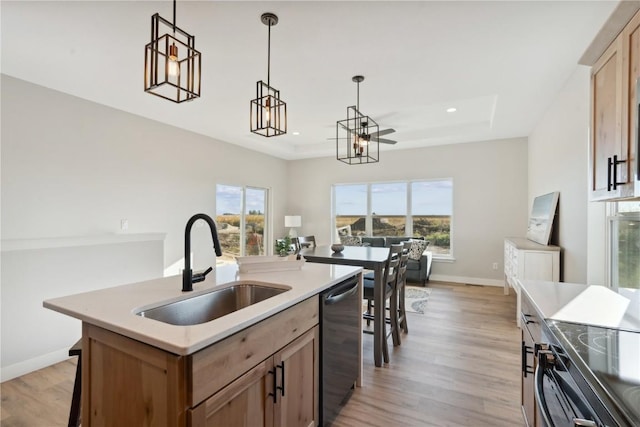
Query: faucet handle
[{"x": 199, "y": 277}]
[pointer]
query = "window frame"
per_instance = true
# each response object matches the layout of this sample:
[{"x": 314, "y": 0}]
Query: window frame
[
  {"x": 613, "y": 218},
  {"x": 408, "y": 216},
  {"x": 268, "y": 227}
]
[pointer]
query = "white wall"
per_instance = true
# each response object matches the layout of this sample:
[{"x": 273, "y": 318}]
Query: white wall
[
  {"x": 33, "y": 271},
  {"x": 558, "y": 161},
  {"x": 71, "y": 167},
  {"x": 489, "y": 197}
]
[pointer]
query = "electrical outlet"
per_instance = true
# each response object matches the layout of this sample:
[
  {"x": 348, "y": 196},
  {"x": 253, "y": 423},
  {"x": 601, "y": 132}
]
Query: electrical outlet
[
  {"x": 495, "y": 265},
  {"x": 124, "y": 224}
]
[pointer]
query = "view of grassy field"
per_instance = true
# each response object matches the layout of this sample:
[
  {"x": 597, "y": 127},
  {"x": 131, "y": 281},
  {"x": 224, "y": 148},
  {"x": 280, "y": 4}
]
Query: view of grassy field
[
  {"x": 436, "y": 229},
  {"x": 229, "y": 235}
]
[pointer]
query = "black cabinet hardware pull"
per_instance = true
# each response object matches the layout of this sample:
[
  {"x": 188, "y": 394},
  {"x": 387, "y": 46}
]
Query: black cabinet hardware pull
[
  {"x": 275, "y": 387},
  {"x": 281, "y": 388},
  {"x": 525, "y": 368},
  {"x": 612, "y": 173}
]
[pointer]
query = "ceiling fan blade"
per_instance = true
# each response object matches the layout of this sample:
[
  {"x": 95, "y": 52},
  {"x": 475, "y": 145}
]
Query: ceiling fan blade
[
  {"x": 386, "y": 141},
  {"x": 386, "y": 132}
]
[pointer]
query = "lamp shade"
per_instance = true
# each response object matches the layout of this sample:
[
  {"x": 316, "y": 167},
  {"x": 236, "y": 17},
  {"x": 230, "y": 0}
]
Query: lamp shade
[{"x": 292, "y": 221}]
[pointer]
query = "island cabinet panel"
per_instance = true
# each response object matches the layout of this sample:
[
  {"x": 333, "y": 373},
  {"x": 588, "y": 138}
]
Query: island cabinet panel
[
  {"x": 280, "y": 391},
  {"x": 230, "y": 383},
  {"x": 216, "y": 366},
  {"x": 297, "y": 369},
  {"x": 614, "y": 114},
  {"x": 244, "y": 402},
  {"x": 126, "y": 382}
]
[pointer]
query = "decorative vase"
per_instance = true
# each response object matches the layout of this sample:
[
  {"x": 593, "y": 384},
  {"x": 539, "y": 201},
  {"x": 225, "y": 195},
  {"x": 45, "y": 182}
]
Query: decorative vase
[{"x": 337, "y": 247}]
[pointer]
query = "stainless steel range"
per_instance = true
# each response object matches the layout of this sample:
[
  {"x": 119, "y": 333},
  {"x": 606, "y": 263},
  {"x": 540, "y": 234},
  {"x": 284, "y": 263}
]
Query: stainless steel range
[
  {"x": 604, "y": 364},
  {"x": 583, "y": 364}
]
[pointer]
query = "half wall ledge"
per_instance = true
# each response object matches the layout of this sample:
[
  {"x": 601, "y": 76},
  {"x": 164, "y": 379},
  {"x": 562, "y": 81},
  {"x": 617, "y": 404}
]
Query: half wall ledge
[{"x": 74, "y": 241}]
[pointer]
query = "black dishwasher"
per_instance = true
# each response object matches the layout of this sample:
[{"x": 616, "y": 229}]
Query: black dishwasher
[{"x": 340, "y": 314}]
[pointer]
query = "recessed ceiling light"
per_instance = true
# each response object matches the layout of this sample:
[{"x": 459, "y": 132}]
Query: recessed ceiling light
[
  {"x": 452, "y": 110},
  {"x": 296, "y": 133}
]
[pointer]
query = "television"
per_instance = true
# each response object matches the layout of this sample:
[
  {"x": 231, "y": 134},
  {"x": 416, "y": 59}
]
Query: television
[{"x": 543, "y": 213}]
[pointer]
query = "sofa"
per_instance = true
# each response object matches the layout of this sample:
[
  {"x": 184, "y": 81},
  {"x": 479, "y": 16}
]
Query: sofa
[{"x": 417, "y": 270}]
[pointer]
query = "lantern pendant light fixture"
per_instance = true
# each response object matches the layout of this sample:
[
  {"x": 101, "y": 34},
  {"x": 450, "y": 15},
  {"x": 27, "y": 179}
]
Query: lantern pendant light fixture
[
  {"x": 357, "y": 135},
  {"x": 171, "y": 62},
  {"x": 268, "y": 111}
]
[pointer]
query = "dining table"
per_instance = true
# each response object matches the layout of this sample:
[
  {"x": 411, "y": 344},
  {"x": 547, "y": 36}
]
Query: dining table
[{"x": 370, "y": 258}]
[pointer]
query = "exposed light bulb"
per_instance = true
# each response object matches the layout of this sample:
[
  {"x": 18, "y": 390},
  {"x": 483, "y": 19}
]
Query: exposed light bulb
[
  {"x": 173, "y": 67},
  {"x": 267, "y": 110}
]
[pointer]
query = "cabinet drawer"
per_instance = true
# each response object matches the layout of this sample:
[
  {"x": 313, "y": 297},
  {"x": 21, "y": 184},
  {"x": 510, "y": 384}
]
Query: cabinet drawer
[
  {"x": 212, "y": 368},
  {"x": 530, "y": 319}
]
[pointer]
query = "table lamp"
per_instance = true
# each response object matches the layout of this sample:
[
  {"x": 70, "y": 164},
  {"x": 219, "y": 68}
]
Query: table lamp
[{"x": 292, "y": 221}]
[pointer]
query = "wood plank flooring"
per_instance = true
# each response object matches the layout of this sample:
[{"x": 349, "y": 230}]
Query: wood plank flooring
[{"x": 458, "y": 366}]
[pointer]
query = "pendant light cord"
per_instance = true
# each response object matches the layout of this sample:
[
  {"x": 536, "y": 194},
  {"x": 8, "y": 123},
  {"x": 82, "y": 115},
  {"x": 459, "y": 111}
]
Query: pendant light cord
[
  {"x": 269, "y": 56},
  {"x": 174, "y": 17}
]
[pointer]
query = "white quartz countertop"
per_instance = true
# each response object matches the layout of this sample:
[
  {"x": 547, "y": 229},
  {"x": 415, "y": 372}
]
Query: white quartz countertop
[
  {"x": 115, "y": 308},
  {"x": 586, "y": 304}
]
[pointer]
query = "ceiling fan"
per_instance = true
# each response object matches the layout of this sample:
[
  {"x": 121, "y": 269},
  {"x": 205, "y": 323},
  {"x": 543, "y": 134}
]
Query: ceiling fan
[{"x": 364, "y": 136}]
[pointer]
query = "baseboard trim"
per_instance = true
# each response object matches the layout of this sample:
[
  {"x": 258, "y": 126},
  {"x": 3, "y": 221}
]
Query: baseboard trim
[
  {"x": 21, "y": 368},
  {"x": 466, "y": 280}
]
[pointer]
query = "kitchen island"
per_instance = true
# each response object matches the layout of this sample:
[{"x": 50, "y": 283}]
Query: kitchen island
[{"x": 140, "y": 371}]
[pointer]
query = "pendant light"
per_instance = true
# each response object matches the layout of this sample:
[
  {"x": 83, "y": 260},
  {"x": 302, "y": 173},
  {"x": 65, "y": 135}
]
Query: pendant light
[
  {"x": 171, "y": 62},
  {"x": 268, "y": 111},
  {"x": 357, "y": 135}
]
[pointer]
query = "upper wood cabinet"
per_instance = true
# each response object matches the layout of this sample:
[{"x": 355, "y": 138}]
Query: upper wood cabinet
[{"x": 614, "y": 110}]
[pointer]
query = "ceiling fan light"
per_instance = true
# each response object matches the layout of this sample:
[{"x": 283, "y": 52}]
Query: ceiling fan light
[{"x": 357, "y": 135}]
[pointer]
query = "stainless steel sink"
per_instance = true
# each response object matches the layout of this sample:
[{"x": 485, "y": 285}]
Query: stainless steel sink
[{"x": 212, "y": 305}]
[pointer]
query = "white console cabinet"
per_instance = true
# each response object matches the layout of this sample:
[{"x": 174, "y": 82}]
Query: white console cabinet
[{"x": 525, "y": 259}]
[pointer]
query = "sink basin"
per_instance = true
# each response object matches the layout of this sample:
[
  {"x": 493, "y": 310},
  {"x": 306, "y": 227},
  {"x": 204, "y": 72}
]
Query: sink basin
[{"x": 212, "y": 305}]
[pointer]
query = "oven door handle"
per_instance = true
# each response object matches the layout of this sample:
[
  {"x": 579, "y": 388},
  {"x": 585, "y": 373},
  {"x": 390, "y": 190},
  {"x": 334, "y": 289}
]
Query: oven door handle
[{"x": 539, "y": 392}]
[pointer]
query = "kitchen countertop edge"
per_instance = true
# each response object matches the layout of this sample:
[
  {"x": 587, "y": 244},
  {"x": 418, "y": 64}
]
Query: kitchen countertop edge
[{"x": 115, "y": 308}]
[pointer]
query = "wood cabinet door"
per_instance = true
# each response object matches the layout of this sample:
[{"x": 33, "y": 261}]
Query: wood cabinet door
[
  {"x": 631, "y": 65},
  {"x": 606, "y": 121},
  {"x": 246, "y": 402},
  {"x": 297, "y": 372}
]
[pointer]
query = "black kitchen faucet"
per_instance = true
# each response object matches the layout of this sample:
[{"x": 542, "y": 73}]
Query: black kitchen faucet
[{"x": 188, "y": 278}]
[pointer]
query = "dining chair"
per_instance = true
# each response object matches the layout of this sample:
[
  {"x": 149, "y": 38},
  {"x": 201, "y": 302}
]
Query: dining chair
[
  {"x": 302, "y": 242},
  {"x": 389, "y": 278},
  {"x": 398, "y": 298}
]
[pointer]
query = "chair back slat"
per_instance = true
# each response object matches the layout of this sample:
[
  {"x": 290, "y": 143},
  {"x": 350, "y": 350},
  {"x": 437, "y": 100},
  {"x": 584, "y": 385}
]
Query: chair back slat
[{"x": 392, "y": 265}]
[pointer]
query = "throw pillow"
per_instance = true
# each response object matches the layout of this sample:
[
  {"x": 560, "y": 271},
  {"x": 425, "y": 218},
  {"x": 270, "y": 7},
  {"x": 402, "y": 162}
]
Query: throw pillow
[
  {"x": 417, "y": 248},
  {"x": 351, "y": 240}
]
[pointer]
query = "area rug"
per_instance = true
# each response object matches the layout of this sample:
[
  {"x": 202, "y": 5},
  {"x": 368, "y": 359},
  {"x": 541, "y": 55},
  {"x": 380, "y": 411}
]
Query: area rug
[{"x": 416, "y": 298}]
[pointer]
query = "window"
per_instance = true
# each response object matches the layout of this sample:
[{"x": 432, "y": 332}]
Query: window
[
  {"x": 389, "y": 209},
  {"x": 409, "y": 208},
  {"x": 241, "y": 215},
  {"x": 625, "y": 245},
  {"x": 351, "y": 207},
  {"x": 431, "y": 213}
]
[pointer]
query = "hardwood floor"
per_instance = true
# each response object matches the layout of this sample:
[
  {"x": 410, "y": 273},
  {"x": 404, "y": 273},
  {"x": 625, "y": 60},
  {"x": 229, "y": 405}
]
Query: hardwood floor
[{"x": 458, "y": 366}]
